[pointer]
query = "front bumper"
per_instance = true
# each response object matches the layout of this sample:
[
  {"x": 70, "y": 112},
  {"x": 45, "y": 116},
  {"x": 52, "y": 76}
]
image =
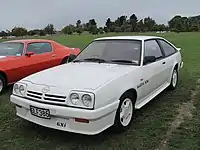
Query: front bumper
[{"x": 99, "y": 119}]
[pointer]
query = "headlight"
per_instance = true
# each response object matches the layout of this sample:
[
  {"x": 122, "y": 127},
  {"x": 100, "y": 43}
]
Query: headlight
[
  {"x": 87, "y": 100},
  {"x": 16, "y": 89},
  {"x": 22, "y": 89},
  {"x": 19, "y": 89},
  {"x": 81, "y": 99},
  {"x": 74, "y": 97}
]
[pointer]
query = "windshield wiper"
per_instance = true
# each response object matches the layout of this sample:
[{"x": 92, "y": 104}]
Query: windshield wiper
[
  {"x": 123, "y": 61},
  {"x": 99, "y": 60}
]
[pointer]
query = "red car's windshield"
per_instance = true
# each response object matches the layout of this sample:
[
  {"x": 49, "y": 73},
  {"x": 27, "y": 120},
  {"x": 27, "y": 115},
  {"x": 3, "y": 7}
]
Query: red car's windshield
[{"x": 11, "y": 49}]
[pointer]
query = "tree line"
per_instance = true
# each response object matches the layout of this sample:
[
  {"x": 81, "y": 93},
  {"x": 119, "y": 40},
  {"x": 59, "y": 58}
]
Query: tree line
[{"x": 121, "y": 24}]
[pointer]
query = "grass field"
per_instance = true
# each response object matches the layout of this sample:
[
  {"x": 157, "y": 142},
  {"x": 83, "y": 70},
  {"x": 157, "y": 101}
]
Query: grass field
[{"x": 170, "y": 121}]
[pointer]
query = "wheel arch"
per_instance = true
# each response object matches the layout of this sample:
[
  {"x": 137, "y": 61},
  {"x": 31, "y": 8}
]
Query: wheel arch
[
  {"x": 64, "y": 58},
  {"x": 176, "y": 66},
  {"x": 132, "y": 92}
]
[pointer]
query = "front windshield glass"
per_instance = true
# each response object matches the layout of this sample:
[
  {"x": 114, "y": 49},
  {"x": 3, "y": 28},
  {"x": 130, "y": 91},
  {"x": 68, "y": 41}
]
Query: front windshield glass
[
  {"x": 11, "y": 49},
  {"x": 118, "y": 51}
]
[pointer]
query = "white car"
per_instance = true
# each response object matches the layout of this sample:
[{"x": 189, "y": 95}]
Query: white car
[{"x": 101, "y": 87}]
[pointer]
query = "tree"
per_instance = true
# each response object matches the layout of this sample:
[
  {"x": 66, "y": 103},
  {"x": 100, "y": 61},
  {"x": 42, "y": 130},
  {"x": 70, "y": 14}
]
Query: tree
[
  {"x": 79, "y": 27},
  {"x": 149, "y": 24},
  {"x": 19, "y": 31},
  {"x": 68, "y": 29},
  {"x": 108, "y": 25},
  {"x": 133, "y": 21},
  {"x": 34, "y": 32},
  {"x": 175, "y": 24},
  {"x": 42, "y": 33},
  {"x": 79, "y": 30},
  {"x": 78, "y": 23},
  {"x": 49, "y": 29},
  {"x": 3, "y": 34},
  {"x": 118, "y": 29},
  {"x": 101, "y": 30},
  {"x": 194, "y": 28},
  {"x": 92, "y": 26},
  {"x": 140, "y": 26}
]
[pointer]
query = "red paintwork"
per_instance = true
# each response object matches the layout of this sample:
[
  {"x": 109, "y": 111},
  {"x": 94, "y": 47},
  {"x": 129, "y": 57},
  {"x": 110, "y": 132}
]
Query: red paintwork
[{"x": 18, "y": 67}]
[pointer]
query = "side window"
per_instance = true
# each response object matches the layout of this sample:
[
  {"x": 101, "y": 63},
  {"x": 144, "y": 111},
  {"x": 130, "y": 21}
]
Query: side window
[
  {"x": 168, "y": 49},
  {"x": 39, "y": 47},
  {"x": 151, "y": 48}
]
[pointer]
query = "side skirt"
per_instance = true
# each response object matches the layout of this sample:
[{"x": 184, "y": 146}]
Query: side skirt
[{"x": 149, "y": 97}]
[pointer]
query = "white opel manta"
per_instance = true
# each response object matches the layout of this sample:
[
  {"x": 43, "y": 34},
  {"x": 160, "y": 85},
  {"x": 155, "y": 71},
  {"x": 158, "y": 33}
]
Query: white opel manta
[{"x": 100, "y": 88}]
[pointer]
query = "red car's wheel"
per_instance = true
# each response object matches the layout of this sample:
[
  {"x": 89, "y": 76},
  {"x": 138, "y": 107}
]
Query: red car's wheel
[
  {"x": 2, "y": 83},
  {"x": 65, "y": 60}
]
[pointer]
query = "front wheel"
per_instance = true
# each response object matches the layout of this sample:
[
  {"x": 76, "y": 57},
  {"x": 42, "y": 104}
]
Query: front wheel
[
  {"x": 125, "y": 113},
  {"x": 2, "y": 84}
]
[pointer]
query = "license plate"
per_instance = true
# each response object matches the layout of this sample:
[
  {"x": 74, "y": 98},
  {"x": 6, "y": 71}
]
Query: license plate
[{"x": 40, "y": 112}]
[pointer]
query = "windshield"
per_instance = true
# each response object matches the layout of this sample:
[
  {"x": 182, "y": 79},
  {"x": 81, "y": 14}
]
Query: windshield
[
  {"x": 11, "y": 49},
  {"x": 115, "y": 51}
]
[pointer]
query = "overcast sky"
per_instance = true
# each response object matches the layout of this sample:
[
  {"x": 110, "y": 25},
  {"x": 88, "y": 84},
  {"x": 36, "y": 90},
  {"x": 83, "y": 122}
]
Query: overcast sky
[{"x": 38, "y": 13}]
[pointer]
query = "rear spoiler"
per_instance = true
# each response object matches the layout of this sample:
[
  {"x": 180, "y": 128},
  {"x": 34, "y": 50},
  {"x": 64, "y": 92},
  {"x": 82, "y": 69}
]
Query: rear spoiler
[{"x": 179, "y": 49}]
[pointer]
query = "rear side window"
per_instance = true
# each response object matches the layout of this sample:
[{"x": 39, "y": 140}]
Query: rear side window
[
  {"x": 39, "y": 47},
  {"x": 151, "y": 48},
  {"x": 168, "y": 49}
]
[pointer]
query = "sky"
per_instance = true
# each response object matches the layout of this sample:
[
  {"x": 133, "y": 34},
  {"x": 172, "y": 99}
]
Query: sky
[{"x": 33, "y": 14}]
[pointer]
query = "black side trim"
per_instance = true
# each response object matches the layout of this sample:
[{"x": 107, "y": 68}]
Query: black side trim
[
  {"x": 55, "y": 96},
  {"x": 34, "y": 93},
  {"x": 56, "y": 100}
]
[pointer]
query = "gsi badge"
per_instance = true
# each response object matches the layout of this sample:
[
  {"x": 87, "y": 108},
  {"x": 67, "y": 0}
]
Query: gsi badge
[{"x": 61, "y": 124}]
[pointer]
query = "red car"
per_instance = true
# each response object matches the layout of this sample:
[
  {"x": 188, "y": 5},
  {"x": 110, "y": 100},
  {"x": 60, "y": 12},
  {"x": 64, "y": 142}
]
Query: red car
[{"x": 20, "y": 58}]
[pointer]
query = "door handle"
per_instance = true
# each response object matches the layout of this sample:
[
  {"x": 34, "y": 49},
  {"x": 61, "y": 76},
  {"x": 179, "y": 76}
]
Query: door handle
[
  {"x": 164, "y": 63},
  {"x": 54, "y": 55}
]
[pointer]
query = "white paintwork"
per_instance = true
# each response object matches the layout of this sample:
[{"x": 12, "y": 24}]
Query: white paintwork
[
  {"x": 142, "y": 38},
  {"x": 106, "y": 81}
]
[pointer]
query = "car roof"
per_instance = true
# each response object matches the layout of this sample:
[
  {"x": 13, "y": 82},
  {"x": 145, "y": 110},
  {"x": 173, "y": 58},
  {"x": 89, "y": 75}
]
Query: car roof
[
  {"x": 29, "y": 40},
  {"x": 139, "y": 37}
]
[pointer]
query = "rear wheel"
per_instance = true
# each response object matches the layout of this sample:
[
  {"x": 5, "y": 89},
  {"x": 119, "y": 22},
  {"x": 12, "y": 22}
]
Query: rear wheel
[
  {"x": 2, "y": 84},
  {"x": 174, "y": 80},
  {"x": 125, "y": 113}
]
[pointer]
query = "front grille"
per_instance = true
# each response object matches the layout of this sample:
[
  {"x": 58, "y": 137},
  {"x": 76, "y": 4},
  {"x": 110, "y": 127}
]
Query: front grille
[{"x": 46, "y": 97}]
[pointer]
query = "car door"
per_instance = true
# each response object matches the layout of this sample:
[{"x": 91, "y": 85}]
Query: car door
[
  {"x": 42, "y": 57},
  {"x": 168, "y": 50},
  {"x": 153, "y": 73}
]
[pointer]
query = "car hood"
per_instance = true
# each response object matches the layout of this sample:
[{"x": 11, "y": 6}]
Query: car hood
[{"x": 85, "y": 75}]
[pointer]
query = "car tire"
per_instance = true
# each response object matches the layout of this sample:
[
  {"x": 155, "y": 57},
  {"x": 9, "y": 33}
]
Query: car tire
[
  {"x": 126, "y": 110},
  {"x": 2, "y": 84},
  {"x": 64, "y": 61},
  {"x": 174, "y": 80}
]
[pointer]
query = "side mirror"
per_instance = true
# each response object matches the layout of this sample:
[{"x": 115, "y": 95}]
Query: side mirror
[
  {"x": 71, "y": 57},
  {"x": 29, "y": 54},
  {"x": 149, "y": 59}
]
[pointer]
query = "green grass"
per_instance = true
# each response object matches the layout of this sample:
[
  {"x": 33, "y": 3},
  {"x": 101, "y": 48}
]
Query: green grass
[{"x": 146, "y": 132}]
